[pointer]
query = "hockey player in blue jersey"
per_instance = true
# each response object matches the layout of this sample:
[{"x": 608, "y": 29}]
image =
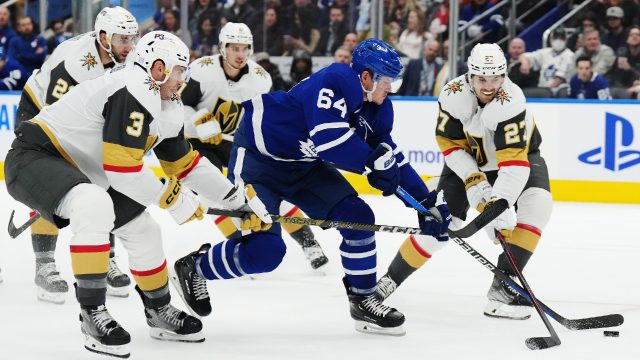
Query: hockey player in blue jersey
[{"x": 288, "y": 147}]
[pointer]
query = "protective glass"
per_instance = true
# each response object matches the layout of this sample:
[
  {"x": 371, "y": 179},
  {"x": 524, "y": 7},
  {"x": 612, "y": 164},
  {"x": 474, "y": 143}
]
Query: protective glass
[
  {"x": 124, "y": 40},
  {"x": 239, "y": 49},
  {"x": 179, "y": 73},
  {"x": 394, "y": 83}
]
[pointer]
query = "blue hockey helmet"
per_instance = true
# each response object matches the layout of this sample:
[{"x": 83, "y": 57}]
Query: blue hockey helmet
[{"x": 378, "y": 57}]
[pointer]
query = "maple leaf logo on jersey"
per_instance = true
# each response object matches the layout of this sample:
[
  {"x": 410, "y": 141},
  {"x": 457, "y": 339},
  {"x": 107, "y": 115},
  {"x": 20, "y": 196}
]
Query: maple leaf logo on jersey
[
  {"x": 89, "y": 61},
  {"x": 205, "y": 62},
  {"x": 153, "y": 86},
  {"x": 453, "y": 87},
  {"x": 308, "y": 149},
  {"x": 503, "y": 96}
]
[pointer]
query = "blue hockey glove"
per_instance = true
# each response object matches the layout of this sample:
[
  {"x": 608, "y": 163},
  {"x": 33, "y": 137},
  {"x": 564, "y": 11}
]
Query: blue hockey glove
[
  {"x": 382, "y": 170},
  {"x": 437, "y": 224}
]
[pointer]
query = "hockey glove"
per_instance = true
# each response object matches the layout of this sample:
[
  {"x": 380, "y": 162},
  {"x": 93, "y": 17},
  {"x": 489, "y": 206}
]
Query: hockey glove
[
  {"x": 182, "y": 203},
  {"x": 478, "y": 190},
  {"x": 504, "y": 223},
  {"x": 207, "y": 127},
  {"x": 382, "y": 170},
  {"x": 438, "y": 222},
  {"x": 257, "y": 217}
]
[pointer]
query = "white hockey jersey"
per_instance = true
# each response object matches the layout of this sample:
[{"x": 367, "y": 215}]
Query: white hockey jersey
[
  {"x": 105, "y": 126},
  {"x": 551, "y": 64},
  {"x": 72, "y": 62},
  {"x": 497, "y": 136},
  {"x": 209, "y": 88}
]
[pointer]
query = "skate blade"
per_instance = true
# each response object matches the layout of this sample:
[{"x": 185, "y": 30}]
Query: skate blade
[
  {"x": 122, "y": 291},
  {"x": 176, "y": 284},
  {"x": 496, "y": 309},
  {"x": 51, "y": 297},
  {"x": 369, "y": 328},
  {"x": 119, "y": 351},
  {"x": 166, "y": 335}
]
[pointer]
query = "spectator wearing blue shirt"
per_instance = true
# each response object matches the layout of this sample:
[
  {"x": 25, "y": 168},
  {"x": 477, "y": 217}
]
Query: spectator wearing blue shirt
[
  {"x": 486, "y": 30},
  {"x": 587, "y": 84},
  {"x": 59, "y": 35},
  {"x": 28, "y": 48},
  {"x": 6, "y": 32},
  {"x": 13, "y": 76}
]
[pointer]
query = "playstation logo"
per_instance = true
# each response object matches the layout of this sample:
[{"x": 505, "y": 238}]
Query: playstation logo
[{"x": 618, "y": 134}]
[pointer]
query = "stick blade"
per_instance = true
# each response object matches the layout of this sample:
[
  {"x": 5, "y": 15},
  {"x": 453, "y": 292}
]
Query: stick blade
[
  {"x": 539, "y": 343},
  {"x": 596, "y": 322}
]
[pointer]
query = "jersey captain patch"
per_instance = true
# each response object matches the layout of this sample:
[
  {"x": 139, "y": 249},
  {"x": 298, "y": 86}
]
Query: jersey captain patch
[
  {"x": 453, "y": 87},
  {"x": 89, "y": 61},
  {"x": 503, "y": 96},
  {"x": 153, "y": 86}
]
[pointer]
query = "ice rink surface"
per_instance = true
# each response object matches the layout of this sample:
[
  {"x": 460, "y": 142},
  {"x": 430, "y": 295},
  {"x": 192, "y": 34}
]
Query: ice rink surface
[{"x": 586, "y": 264}]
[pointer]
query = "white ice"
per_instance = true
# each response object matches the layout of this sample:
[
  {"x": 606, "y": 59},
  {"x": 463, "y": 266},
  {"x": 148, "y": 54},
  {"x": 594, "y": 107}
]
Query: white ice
[{"x": 586, "y": 265}]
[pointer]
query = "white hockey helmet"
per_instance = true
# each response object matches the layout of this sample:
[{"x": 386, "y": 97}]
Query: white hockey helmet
[
  {"x": 235, "y": 33},
  {"x": 115, "y": 20},
  {"x": 164, "y": 46},
  {"x": 487, "y": 59}
]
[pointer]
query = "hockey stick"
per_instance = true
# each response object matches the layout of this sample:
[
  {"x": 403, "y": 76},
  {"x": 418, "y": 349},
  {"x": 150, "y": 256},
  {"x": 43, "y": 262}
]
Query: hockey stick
[
  {"x": 596, "y": 322},
  {"x": 533, "y": 343},
  {"x": 15, "y": 231}
]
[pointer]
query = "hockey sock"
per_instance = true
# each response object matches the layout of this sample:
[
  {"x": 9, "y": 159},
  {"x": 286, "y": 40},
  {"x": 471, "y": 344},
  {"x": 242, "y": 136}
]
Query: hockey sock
[
  {"x": 227, "y": 227},
  {"x": 90, "y": 264},
  {"x": 522, "y": 244},
  {"x": 252, "y": 254},
  {"x": 409, "y": 258},
  {"x": 293, "y": 228},
  {"x": 151, "y": 279},
  {"x": 157, "y": 298},
  {"x": 112, "y": 242},
  {"x": 359, "y": 263},
  {"x": 43, "y": 239}
]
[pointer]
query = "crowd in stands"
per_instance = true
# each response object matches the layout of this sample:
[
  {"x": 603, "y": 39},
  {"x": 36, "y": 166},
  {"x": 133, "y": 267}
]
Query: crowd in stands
[{"x": 596, "y": 56}]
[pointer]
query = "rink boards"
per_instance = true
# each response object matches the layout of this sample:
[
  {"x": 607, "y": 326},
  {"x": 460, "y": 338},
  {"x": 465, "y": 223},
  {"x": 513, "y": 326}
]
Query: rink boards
[{"x": 592, "y": 148}]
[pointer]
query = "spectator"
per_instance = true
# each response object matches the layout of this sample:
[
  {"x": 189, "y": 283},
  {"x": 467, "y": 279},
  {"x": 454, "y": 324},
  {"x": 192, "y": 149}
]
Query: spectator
[
  {"x": 200, "y": 7},
  {"x": 270, "y": 37},
  {"x": 616, "y": 36},
  {"x": 523, "y": 77},
  {"x": 342, "y": 56},
  {"x": 28, "y": 48},
  {"x": 13, "y": 75},
  {"x": 241, "y": 12},
  {"x": 420, "y": 76},
  {"x": 602, "y": 56},
  {"x": 399, "y": 15},
  {"x": 304, "y": 35},
  {"x": 278, "y": 83},
  {"x": 350, "y": 41},
  {"x": 440, "y": 19},
  {"x": 301, "y": 66},
  {"x": 6, "y": 32},
  {"x": 586, "y": 83},
  {"x": 159, "y": 15},
  {"x": 626, "y": 69},
  {"x": 59, "y": 35},
  {"x": 288, "y": 13},
  {"x": 486, "y": 30},
  {"x": 332, "y": 36},
  {"x": 171, "y": 23},
  {"x": 413, "y": 38},
  {"x": 554, "y": 63},
  {"x": 443, "y": 75},
  {"x": 588, "y": 22},
  {"x": 205, "y": 42}
]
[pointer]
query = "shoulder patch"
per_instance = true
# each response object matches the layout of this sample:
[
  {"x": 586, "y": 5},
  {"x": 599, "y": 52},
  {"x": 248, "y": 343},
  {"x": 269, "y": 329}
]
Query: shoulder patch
[
  {"x": 205, "y": 61},
  {"x": 153, "y": 86},
  {"x": 89, "y": 61},
  {"x": 503, "y": 96},
  {"x": 260, "y": 71},
  {"x": 453, "y": 87}
]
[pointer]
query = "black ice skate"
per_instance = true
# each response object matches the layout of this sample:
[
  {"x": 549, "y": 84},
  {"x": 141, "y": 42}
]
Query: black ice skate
[
  {"x": 506, "y": 303},
  {"x": 311, "y": 248},
  {"x": 191, "y": 287},
  {"x": 171, "y": 324},
  {"x": 102, "y": 333},
  {"x": 50, "y": 286},
  {"x": 117, "y": 281},
  {"x": 372, "y": 317}
]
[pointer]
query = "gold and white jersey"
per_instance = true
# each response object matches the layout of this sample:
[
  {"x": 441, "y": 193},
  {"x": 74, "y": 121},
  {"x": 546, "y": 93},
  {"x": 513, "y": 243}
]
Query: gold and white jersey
[
  {"x": 72, "y": 62},
  {"x": 210, "y": 88}
]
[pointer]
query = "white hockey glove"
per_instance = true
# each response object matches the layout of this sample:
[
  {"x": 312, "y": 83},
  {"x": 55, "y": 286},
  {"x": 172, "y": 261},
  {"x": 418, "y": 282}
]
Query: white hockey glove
[
  {"x": 478, "y": 190},
  {"x": 207, "y": 127},
  {"x": 257, "y": 217},
  {"x": 504, "y": 223},
  {"x": 182, "y": 203}
]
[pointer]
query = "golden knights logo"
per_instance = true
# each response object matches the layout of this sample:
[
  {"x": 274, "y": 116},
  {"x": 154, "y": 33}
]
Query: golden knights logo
[
  {"x": 453, "y": 87},
  {"x": 153, "y": 86},
  {"x": 260, "y": 71},
  {"x": 205, "y": 61},
  {"x": 502, "y": 96},
  {"x": 228, "y": 114},
  {"x": 89, "y": 61},
  {"x": 477, "y": 149}
]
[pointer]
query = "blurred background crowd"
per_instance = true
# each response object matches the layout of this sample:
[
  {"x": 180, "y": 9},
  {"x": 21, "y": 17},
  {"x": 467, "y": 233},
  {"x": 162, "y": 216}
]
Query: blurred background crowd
[{"x": 555, "y": 48}]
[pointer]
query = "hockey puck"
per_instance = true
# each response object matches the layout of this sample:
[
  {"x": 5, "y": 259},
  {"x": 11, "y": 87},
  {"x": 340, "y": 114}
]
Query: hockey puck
[{"x": 612, "y": 333}]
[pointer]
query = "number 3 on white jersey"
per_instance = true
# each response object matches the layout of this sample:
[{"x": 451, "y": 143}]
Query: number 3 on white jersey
[{"x": 324, "y": 101}]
